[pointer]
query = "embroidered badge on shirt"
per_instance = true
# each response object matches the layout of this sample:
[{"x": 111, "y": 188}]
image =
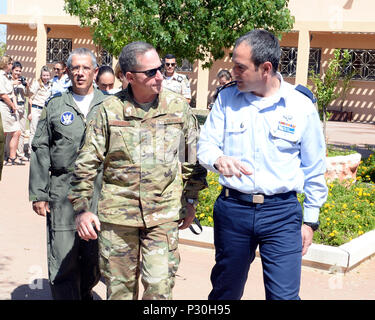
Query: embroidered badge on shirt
[
  {"x": 67, "y": 118},
  {"x": 286, "y": 127}
]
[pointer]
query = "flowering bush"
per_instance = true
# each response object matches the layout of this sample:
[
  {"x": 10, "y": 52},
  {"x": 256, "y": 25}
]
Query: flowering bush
[
  {"x": 366, "y": 169},
  {"x": 348, "y": 212}
]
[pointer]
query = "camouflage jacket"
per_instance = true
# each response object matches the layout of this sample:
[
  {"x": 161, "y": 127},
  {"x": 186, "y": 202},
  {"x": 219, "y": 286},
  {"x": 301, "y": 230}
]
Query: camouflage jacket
[{"x": 149, "y": 157}]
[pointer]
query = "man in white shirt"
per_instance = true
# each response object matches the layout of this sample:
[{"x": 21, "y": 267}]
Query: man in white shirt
[{"x": 61, "y": 81}]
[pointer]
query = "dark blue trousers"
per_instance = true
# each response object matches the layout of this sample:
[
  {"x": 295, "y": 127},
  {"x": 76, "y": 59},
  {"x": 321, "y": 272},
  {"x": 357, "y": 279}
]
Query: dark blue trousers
[{"x": 239, "y": 227}]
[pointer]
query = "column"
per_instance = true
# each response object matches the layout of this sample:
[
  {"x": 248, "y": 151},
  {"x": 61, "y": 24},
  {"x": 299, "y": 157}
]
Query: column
[
  {"x": 202, "y": 86},
  {"x": 303, "y": 57},
  {"x": 41, "y": 47}
]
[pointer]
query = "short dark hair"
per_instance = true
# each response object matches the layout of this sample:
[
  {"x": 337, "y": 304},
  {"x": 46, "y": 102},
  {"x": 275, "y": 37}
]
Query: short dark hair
[
  {"x": 128, "y": 59},
  {"x": 102, "y": 70},
  {"x": 169, "y": 56},
  {"x": 16, "y": 64},
  {"x": 264, "y": 47}
]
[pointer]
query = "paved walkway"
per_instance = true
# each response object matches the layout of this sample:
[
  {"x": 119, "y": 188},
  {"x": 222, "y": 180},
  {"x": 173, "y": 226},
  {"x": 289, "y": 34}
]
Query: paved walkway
[{"x": 23, "y": 267}]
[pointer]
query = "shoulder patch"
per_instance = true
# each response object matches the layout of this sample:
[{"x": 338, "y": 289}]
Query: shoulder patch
[
  {"x": 307, "y": 92},
  {"x": 179, "y": 79}
]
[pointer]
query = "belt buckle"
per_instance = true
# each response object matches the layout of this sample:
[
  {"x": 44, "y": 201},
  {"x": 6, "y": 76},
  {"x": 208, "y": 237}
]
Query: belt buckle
[{"x": 258, "y": 198}]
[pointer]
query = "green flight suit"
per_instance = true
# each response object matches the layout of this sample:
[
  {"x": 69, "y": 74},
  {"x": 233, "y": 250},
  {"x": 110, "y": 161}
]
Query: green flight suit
[
  {"x": 73, "y": 265},
  {"x": 2, "y": 144}
]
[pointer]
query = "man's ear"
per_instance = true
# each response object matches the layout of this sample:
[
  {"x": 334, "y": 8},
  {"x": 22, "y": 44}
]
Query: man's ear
[
  {"x": 129, "y": 76},
  {"x": 267, "y": 68}
]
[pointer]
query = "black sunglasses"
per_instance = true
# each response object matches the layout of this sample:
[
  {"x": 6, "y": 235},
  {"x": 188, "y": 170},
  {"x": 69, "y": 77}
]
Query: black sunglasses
[
  {"x": 149, "y": 73},
  {"x": 170, "y": 64}
]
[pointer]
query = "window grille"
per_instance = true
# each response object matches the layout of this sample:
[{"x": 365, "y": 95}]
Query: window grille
[
  {"x": 362, "y": 63},
  {"x": 58, "y": 49},
  {"x": 186, "y": 66},
  {"x": 288, "y": 61},
  {"x": 105, "y": 58}
]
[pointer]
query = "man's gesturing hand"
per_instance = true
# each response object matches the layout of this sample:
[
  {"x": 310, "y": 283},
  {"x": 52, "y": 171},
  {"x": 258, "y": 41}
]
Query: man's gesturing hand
[
  {"x": 85, "y": 223},
  {"x": 229, "y": 166}
]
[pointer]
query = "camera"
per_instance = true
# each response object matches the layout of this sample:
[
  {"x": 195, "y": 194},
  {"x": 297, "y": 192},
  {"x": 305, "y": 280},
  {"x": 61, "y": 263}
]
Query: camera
[{"x": 23, "y": 81}]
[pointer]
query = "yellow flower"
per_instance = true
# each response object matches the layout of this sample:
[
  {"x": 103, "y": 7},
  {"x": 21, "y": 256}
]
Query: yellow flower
[
  {"x": 328, "y": 219},
  {"x": 210, "y": 219},
  {"x": 360, "y": 232},
  {"x": 344, "y": 206}
]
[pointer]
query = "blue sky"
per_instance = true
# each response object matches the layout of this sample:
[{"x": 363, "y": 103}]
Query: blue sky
[{"x": 3, "y": 9}]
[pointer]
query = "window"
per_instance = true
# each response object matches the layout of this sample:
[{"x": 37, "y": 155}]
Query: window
[
  {"x": 186, "y": 66},
  {"x": 58, "y": 49},
  {"x": 362, "y": 63},
  {"x": 288, "y": 61},
  {"x": 105, "y": 58}
]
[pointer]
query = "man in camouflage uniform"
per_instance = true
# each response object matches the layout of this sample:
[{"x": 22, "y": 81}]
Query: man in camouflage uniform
[
  {"x": 174, "y": 81},
  {"x": 73, "y": 264},
  {"x": 146, "y": 139}
]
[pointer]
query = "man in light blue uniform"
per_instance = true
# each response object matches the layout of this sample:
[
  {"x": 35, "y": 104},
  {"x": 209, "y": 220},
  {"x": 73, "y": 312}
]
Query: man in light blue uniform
[{"x": 265, "y": 139}]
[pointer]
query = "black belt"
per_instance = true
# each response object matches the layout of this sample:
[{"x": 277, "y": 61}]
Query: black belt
[
  {"x": 256, "y": 198},
  {"x": 36, "y": 106}
]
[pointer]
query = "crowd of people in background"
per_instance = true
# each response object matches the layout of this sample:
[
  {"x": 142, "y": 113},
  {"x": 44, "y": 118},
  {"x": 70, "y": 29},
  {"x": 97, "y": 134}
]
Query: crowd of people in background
[{"x": 21, "y": 102}]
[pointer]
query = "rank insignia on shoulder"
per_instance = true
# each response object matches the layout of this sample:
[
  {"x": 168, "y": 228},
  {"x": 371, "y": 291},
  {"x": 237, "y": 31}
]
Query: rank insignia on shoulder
[
  {"x": 307, "y": 92},
  {"x": 227, "y": 85},
  {"x": 67, "y": 118}
]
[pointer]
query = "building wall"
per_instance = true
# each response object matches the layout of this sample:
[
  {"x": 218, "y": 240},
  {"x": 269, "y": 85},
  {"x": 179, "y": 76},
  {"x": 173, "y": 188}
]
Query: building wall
[
  {"x": 21, "y": 46},
  {"x": 36, "y": 7},
  {"x": 22, "y": 43}
]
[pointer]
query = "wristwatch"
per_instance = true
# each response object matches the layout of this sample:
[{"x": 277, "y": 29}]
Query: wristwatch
[
  {"x": 313, "y": 225},
  {"x": 193, "y": 202}
]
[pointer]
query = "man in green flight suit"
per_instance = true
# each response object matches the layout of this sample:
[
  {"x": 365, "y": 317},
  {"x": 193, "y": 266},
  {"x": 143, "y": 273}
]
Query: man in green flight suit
[
  {"x": 73, "y": 265},
  {"x": 146, "y": 139}
]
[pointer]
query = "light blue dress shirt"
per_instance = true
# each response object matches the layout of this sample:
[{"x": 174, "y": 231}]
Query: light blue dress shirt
[
  {"x": 279, "y": 137},
  {"x": 60, "y": 85}
]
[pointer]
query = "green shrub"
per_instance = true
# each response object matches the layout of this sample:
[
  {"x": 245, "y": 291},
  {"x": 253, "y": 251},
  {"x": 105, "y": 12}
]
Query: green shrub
[
  {"x": 348, "y": 212},
  {"x": 366, "y": 169}
]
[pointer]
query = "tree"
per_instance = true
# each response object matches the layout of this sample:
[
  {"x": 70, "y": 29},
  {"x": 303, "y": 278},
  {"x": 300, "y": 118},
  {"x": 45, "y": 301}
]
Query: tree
[
  {"x": 326, "y": 85},
  {"x": 190, "y": 29}
]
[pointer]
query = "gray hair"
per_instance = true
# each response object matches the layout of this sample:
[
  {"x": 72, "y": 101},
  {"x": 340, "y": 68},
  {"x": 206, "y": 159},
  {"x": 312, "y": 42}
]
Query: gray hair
[
  {"x": 129, "y": 55},
  {"x": 81, "y": 52}
]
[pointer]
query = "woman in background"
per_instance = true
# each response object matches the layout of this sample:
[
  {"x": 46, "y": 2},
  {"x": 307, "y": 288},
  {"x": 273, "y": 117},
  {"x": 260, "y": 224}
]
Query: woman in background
[
  {"x": 40, "y": 92},
  {"x": 105, "y": 79},
  {"x": 21, "y": 91},
  {"x": 8, "y": 110}
]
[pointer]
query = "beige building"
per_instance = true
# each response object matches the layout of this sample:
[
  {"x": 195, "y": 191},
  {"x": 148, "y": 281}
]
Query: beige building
[{"x": 40, "y": 32}]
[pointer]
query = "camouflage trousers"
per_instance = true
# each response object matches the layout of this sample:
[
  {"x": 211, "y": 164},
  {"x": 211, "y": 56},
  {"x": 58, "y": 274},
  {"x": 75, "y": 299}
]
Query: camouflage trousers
[{"x": 127, "y": 252}]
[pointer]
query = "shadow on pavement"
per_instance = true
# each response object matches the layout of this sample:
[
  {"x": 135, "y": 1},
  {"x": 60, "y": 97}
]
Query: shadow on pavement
[
  {"x": 38, "y": 290},
  {"x": 364, "y": 151}
]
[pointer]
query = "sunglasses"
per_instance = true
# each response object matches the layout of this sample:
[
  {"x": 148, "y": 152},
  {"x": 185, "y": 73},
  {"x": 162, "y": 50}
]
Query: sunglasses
[
  {"x": 170, "y": 64},
  {"x": 149, "y": 73},
  {"x": 57, "y": 69}
]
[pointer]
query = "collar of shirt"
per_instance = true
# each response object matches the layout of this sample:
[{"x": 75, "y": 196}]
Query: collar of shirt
[{"x": 264, "y": 102}]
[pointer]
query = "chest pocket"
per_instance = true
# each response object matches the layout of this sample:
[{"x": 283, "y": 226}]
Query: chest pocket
[
  {"x": 236, "y": 138},
  {"x": 123, "y": 143},
  {"x": 66, "y": 143}
]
